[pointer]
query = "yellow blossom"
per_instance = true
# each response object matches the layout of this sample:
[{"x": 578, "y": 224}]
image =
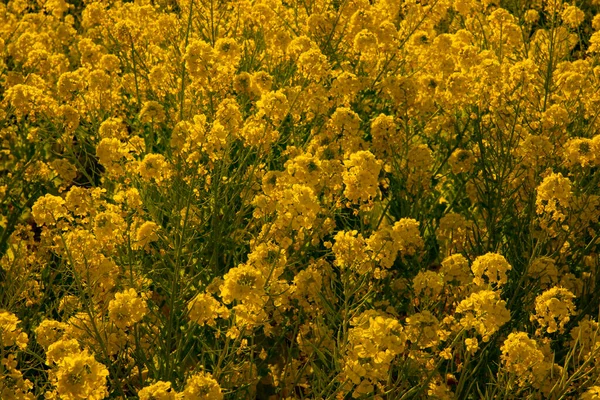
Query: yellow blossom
[
  {"x": 201, "y": 386},
  {"x": 80, "y": 376},
  {"x": 493, "y": 267},
  {"x": 553, "y": 309},
  {"x": 127, "y": 309},
  {"x": 158, "y": 391}
]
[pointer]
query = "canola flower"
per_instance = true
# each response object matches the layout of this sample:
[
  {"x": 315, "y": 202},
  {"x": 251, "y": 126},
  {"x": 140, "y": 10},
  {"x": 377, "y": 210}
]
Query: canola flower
[{"x": 80, "y": 376}]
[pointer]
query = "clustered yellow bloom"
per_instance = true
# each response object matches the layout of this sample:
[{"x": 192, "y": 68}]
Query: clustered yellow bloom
[
  {"x": 582, "y": 152},
  {"x": 49, "y": 332},
  {"x": 373, "y": 343},
  {"x": 422, "y": 329},
  {"x": 12, "y": 383},
  {"x": 407, "y": 235},
  {"x": 201, "y": 386},
  {"x": 113, "y": 155},
  {"x": 152, "y": 111},
  {"x": 455, "y": 269},
  {"x": 204, "y": 308},
  {"x": 461, "y": 161},
  {"x": 154, "y": 168},
  {"x": 158, "y": 391},
  {"x": 491, "y": 266},
  {"x": 243, "y": 283},
  {"x": 572, "y": 16},
  {"x": 586, "y": 337},
  {"x": 361, "y": 178},
  {"x": 453, "y": 232},
  {"x": 10, "y": 333},
  {"x": 483, "y": 311},
  {"x": 428, "y": 284},
  {"x": 61, "y": 349},
  {"x": 593, "y": 393},
  {"x": 127, "y": 309},
  {"x": 146, "y": 234},
  {"x": 554, "y": 196},
  {"x": 48, "y": 209},
  {"x": 350, "y": 251},
  {"x": 472, "y": 345},
  {"x": 522, "y": 356},
  {"x": 80, "y": 376},
  {"x": 553, "y": 309}
]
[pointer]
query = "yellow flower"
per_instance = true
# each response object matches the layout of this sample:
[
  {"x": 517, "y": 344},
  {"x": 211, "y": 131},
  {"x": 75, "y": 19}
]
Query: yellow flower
[
  {"x": 48, "y": 209},
  {"x": 127, "y": 309},
  {"x": 64, "y": 169},
  {"x": 374, "y": 341},
  {"x": 522, "y": 356},
  {"x": 49, "y": 332},
  {"x": 155, "y": 168},
  {"x": 572, "y": 16},
  {"x": 361, "y": 178},
  {"x": 554, "y": 196},
  {"x": 204, "y": 308},
  {"x": 274, "y": 105},
  {"x": 61, "y": 349},
  {"x": 228, "y": 50},
  {"x": 491, "y": 266},
  {"x": 230, "y": 116},
  {"x": 297, "y": 208},
  {"x": 109, "y": 227},
  {"x": 428, "y": 283},
  {"x": 24, "y": 99},
  {"x": 461, "y": 161},
  {"x": 243, "y": 283},
  {"x": 79, "y": 201},
  {"x": 12, "y": 384},
  {"x": 382, "y": 247},
  {"x": 544, "y": 271},
  {"x": 385, "y": 136},
  {"x": 472, "y": 345},
  {"x": 483, "y": 311},
  {"x": 350, "y": 252},
  {"x": 158, "y": 391},
  {"x": 587, "y": 335},
  {"x": 80, "y": 376},
  {"x": 201, "y": 386},
  {"x": 112, "y": 154},
  {"x": 313, "y": 64},
  {"x": 406, "y": 234},
  {"x": 199, "y": 58},
  {"x": 553, "y": 309},
  {"x": 455, "y": 269},
  {"x": 531, "y": 16},
  {"x": 582, "y": 152},
  {"x": 593, "y": 393},
  {"x": 422, "y": 329},
  {"x": 10, "y": 334},
  {"x": 146, "y": 234},
  {"x": 453, "y": 232},
  {"x": 419, "y": 162},
  {"x": 113, "y": 128},
  {"x": 365, "y": 41},
  {"x": 308, "y": 283},
  {"x": 152, "y": 111}
]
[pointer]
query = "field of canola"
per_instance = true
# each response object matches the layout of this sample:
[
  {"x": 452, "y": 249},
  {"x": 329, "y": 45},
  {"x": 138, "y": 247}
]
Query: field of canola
[{"x": 299, "y": 199}]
